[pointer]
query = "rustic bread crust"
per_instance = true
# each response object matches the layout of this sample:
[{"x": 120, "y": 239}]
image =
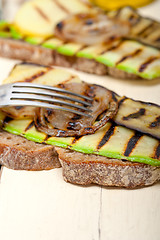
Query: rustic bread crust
[
  {"x": 21, "y": 154},
  {"x": 18, "y": 49},
  {"x": 84, "y": 169}
]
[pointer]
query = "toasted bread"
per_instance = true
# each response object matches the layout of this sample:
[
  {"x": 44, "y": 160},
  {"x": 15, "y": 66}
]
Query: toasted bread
[
  {"x": 113, "y": 156},
  {"x": 134, "y": 56},
  {"x": 19, "y": 153}
]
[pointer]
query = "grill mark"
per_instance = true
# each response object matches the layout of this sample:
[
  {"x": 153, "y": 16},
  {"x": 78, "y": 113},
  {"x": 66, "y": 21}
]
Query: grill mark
[
  {"x": 73, "y": 124},
  {"x": 145, "y": 29},
  {"x": 47, "y": 137},
  {"x": 50, "y": 111},
  {"x": 30, "y": 125},
  {"x": 42, "y": 14},
  {"x": 60, "y": 26},
  {"x": 122, "y": 100},
  {"x": 137, "y": 114},
  {"x": 156, "y": 123},
  {"x": 7, "y": 120},
  {"x": 137, "y": 20},
  {"x": 113, "y": 47},
  {"x": 61, "y": 6},
  {"x": 136, "y": 52},
  {"x": 150, "y": 31},
  {"x": 157, "y": 152},
  {"x": 76, "y": 117},
  {"x": 62, "y": 85},
  {"x": 114, "y": 96},
  {"x": 46, "y": 119},
  {"x": 118, "y": 13},
  {"x": 37, "y": 122},
  {"x": 106, "y": 136},
  {"x": 33, "y": 77},
  {"x": 133, "y": 19},
  {"x": 76, "y": 139},
  {"x": 157, "y": 40},
  {"x": 132, "y": 143},
  {"x": 18, "y": 107},
  {"x": 146, "y": 64}
]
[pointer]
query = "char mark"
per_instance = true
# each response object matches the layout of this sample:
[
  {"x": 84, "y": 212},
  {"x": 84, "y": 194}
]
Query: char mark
[
  {"x": 60, "y": 25},
  {"x": 132, "y": 143},
  {"x": 7, "y": 120},
  {"x": 33, "y": 77},
  {"x": 90, "y": 91},
  {"x": 157, "y": 40},
  {"x": 121, "y": 101},
  {"x": 71, "y": 125},
  {"x": 59, "y": 5},
  {"x": 37, "y": 122},
  {"x": 141, "y": 112},
  {"x": 157, "y": 152},
  {"x": 18, "y": 107},
  {"x": 118, "y": 13},
  {"x": 106, "y": 136},
  {"x": 138, "y": 51},
  {"x": 76, "y": 117},
  {"x": 50, "y": 112},
  {"x": 116, "y": 46},
  {"x": 42, "y": 14},
  {"x": 146, "y": 63},
  {"x": 145, "y": 29},
  {"x": 30, "y": 125},
  {"x": 156, "y": 123},
  {"x": 77, "y": 138},
  {"x": 114, "y": 96}
]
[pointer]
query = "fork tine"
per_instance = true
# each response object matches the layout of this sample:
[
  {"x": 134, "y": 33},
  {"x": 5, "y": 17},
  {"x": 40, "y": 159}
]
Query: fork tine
[
  {"x": 46, "y": 99},
  {"x": 48, "y": 94},
  {"x": 45, "y": 105},
  {"x": 31, "y": 85}
]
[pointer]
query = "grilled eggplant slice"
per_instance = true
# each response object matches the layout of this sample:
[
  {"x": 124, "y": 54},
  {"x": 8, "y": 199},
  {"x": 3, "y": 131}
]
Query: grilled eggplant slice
[
  {"x": 138, "y": 115},
  {"x": 142, "y": 28},
  {"x": 104, "y": 107}
]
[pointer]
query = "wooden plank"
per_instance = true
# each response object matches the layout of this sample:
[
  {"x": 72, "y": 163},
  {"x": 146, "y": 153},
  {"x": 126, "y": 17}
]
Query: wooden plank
[
  {"x": 40, "y": 205},
  {"x": 130, "y": 214}
]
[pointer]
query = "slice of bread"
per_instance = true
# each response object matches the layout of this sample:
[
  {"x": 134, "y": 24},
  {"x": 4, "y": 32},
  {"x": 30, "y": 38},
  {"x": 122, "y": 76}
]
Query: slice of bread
[
  {"x": 84, "y": 169},
  {"x": 17, "y": 49},
  {"x": 132, "y": 55},
  {"x": 81, "y": 168},
  {"x": 19, "y": 153}
]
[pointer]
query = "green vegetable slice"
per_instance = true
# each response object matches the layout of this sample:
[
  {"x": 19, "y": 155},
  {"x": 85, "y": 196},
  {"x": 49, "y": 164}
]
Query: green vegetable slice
[{"x": 112, "y": 141}]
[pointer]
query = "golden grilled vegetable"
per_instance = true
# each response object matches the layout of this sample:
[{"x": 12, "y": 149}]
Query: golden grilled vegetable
[{"x": 138, "y": 115}]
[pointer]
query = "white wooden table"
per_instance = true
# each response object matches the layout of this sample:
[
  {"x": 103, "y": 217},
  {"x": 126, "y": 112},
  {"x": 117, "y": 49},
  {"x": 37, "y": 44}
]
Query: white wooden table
[{"x": 41, "y": 206}]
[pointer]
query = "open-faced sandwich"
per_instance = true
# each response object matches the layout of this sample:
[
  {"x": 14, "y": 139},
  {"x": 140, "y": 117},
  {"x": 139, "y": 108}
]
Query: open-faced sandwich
[
  {"x": 118, "y": 145},
  {"x": 120, "y": 43}
]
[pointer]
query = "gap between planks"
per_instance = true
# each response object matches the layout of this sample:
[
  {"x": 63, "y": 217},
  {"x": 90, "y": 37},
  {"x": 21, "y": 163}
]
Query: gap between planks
[{"x": 1, "y": 169}]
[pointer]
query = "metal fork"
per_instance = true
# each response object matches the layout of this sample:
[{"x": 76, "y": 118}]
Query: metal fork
[{"x": 28, "y": 94}]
